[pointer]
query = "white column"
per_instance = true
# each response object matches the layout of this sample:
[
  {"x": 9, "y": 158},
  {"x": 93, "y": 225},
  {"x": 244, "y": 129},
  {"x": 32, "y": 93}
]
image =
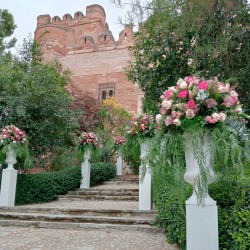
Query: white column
[
  {"x": 145, "y": 184},
  {"x": 9, "y": 178},
  {"x": 119, "y": 164},
  {"x": 85, "y": 170},
  {"x": 201, "y": 221}
]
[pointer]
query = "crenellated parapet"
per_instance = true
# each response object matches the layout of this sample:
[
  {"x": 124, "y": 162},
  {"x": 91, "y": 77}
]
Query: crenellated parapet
[{"x": 79, "y": 33}]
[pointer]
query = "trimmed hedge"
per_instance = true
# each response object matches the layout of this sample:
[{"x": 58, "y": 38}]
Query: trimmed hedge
[{"x": 45, "y": 187}]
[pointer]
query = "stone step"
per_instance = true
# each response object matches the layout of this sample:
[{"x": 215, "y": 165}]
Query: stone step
[
  {"x": 126, "y": 178},
  {"x": 132, "y": 192},
  {"x": 99, "y": 197},
  {"x": 82, "y": 226},
  {"x": 80, "y": 211},
  {"x": 120, "y": 182},
  {"x": 75, "y": 218}
]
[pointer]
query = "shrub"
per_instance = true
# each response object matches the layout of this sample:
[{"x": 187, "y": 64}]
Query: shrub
[{"x": 45, "y": 187}]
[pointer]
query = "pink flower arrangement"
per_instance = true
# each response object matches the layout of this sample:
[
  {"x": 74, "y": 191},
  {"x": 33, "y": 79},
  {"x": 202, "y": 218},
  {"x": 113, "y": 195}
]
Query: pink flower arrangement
[
  {"x": 119, "y": 141},
  {"x": 144, "y": 125},
  {"x": 88, "y": 139},
  {"x": 12, "y": 134},
  {"x": 203, "y": 101}
]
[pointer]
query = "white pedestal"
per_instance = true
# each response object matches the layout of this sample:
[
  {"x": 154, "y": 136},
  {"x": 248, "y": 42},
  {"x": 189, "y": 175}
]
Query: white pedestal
[
  {"x": 145, "y": 190},
  {"x": 8, "y": 188},
  {"x": 85, "y": 170},
  {"x": 202, "y": 227},
  {"x": 201, "y": 221},
  {"x": 119, "y": 164},
  {"x": 145, "y": 184}
]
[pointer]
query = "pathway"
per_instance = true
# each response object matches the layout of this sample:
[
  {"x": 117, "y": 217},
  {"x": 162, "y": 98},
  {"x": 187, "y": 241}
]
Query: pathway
[{"x": 105, "y": 217}]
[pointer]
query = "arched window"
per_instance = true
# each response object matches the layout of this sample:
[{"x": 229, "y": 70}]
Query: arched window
[
  {"x": 111, "y": 93},
  {"x": 104, "y": 95}
]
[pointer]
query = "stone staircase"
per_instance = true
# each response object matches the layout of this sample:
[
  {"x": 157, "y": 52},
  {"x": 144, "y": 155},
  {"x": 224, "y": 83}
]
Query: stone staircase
[{"x": 111, "y": 205}]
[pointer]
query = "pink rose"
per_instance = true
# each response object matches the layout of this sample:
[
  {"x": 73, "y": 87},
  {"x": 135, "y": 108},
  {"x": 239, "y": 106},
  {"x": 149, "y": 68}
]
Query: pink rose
[
  {"x": 176, "y": 114},
  {"x": 188, "y": 79},
  {"x": 224, "y": 88},
  {"x": 166, "y": 104},
  {"x": 203, "y": 85},
  {"x": 191, "y": 104},
  {"x": 169, "y": 121},
  {"x": 168, "y": 94},
  {"x": 209, "y": 119},
  {"x": 183, "y": 94}
]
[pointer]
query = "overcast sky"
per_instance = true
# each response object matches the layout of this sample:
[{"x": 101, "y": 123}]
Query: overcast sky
[{"x": 25, "y": 13}]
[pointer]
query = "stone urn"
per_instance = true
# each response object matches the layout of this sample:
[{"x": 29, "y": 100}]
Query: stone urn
[{"x": 201, "y": 217}]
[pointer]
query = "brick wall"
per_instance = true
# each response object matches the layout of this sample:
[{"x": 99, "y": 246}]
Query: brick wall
[{"x": 85, "y": 45}]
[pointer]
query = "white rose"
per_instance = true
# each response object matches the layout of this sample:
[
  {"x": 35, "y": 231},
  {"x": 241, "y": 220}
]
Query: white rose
[
  {"x": 238, "y": 109},
  {"x": 190, "y": 113},
  {"x": 183, "y": 85},
  {"x": 177, "y": 122},
  {"x": 233, "y": 93},
  {"x": 158, "y": 118},
  {"x": 173, "y": 89},
  {"x": 223, "y": 117},
  {"x": 166, "y": 104},
  {"x": 216, "y": 116}
]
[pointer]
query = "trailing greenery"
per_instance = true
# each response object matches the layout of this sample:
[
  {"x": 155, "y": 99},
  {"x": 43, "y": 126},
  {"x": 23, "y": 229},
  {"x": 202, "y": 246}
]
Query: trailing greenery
[
  {"x": 45, "y": 187},
  {"x": 131, "y": 153},
  {"x": 231, "y": 158}
]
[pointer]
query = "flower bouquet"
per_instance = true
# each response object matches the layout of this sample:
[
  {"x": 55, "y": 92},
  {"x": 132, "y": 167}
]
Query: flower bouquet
[
  {"x": 13, "y": 139},
  {"x": 142, "y": 127},
  {"x": 87, "y": 140},
  {"x": 196, "y": 116},
  {"x": 119, "y": 142},
  {"x": 194, "y": 103}
]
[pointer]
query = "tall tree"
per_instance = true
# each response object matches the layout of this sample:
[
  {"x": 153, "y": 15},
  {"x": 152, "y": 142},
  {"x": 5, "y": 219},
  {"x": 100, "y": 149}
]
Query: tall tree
[
  {"x": 186, "y": 37},
  {"x": 32, "y": 97},
  {"x": 7, "y": 27}
]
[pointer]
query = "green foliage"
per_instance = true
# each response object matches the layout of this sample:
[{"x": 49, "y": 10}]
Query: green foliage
[
  {"x": 7, "y": 27},
  {"x": 33, "y": 96},
  {"x": 105, "y": 151},
  {"x": 233, "y": 199},
  {"x": 189, "y": 37},
  {"x": 131, "y": 153},
  {"x": 39, "y": 188}
]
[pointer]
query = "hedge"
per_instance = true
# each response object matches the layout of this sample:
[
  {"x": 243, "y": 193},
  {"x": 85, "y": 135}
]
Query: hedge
[{"x": 45, "y": 187}]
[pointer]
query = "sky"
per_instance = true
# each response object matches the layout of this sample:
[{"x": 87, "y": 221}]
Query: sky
[{"x": 25, "y": 13}]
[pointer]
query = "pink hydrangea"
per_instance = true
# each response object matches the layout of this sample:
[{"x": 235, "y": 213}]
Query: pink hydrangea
[
  {"x": 210, "y": 103},
  {"x": 230, "y": 101}
]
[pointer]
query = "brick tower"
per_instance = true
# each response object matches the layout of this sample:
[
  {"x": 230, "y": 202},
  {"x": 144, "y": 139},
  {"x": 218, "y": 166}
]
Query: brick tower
[{"x": 86, "y": 46}]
